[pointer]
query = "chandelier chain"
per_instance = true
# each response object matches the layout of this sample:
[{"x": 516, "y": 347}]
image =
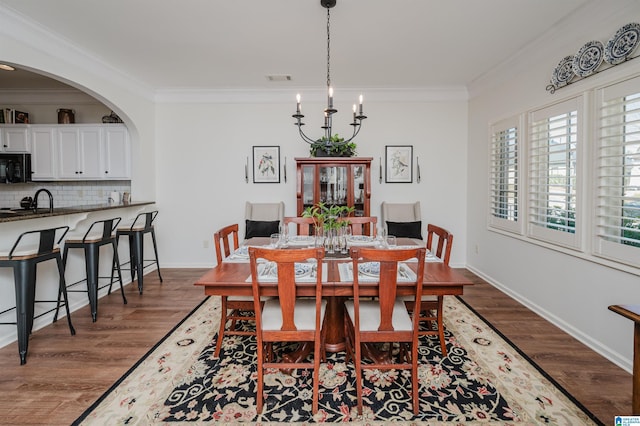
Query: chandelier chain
[{"x": 328, "y": 48}]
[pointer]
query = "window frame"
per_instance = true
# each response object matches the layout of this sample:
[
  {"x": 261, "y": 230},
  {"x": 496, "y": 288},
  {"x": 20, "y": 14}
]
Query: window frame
[
  {"x": 536, "y": 176},
  {"x": 604, "y": 99}
]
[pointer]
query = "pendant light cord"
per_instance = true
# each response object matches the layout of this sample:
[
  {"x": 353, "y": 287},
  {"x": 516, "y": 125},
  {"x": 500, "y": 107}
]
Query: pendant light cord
[{"x": 328, "y": 48}]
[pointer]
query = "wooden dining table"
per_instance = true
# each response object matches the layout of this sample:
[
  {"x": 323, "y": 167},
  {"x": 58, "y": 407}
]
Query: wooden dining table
[{"x": 231, "y": 279}]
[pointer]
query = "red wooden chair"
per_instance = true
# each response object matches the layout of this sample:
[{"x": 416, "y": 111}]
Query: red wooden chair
[
  {"x": 385, "y": 319},
  {"x": 287, "y": 317}
]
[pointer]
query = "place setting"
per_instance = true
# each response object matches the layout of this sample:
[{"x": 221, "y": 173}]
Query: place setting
[{"x": 370, "y": 272}]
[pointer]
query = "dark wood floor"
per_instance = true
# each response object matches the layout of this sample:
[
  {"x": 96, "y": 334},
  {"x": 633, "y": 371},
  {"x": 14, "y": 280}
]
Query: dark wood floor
[{"x": 64, "y": 375}]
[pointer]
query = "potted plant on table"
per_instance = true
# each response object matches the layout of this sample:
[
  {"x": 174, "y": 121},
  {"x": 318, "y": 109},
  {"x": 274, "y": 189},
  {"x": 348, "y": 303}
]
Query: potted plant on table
[{"x": 326, "y": 221}]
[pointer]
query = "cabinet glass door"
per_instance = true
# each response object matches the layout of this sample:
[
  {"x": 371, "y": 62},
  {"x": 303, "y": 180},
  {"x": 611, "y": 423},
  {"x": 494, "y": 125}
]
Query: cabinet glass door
[
  {"x": 308, "y": 180},
  {"x": 358, "y": 190},
  {"x": 333, "y": 185}
]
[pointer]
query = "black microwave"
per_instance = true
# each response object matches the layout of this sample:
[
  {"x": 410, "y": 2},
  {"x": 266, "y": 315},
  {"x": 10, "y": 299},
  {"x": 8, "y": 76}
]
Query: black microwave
[{"x": 15, "y": 168}]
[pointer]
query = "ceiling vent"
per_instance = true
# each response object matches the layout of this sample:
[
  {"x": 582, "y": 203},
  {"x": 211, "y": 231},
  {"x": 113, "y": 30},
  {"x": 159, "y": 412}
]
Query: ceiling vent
[{"x": 279, "y": 77}]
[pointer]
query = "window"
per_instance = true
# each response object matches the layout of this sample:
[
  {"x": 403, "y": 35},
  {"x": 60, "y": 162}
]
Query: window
[
  {"x": 504, "y": 175},
  {"x": 618, "y": 173},
  {"x": 553, "y": 173}
]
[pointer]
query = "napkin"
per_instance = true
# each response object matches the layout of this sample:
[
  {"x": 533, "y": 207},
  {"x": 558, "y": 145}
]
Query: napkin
[
  {"x": 405, "y": 274},
  {"x": 267, "y": 272}
]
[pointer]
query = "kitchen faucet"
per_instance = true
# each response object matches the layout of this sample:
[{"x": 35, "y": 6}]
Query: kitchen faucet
[{"x": 35, "y": 200}]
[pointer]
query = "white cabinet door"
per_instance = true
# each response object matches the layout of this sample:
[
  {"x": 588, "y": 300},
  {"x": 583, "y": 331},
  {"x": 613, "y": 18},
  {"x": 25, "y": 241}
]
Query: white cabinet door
[
  {"x": 90, "y": 153},
  {"x": 79, "y": 153},
  {"x": 68, "y": 156},
  {"x": 15, "y": 139},
  {"x": 43, "y": 153},
  {"x": 116, "y": 153}
]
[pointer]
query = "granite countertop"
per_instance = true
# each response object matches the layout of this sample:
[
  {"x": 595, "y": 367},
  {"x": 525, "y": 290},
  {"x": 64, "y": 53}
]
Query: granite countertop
[{"x": 24, "y": 214}]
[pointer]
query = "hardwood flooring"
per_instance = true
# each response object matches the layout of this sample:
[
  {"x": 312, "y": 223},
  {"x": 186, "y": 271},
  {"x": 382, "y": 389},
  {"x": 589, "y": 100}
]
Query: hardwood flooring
[{"x": 65, "y": 374}]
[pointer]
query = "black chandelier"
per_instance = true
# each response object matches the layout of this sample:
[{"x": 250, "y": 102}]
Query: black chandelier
[{"x": 358, "y": 116}]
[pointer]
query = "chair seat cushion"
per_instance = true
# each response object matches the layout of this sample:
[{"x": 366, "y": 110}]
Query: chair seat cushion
[
  {"x": 370, "y": 315},
  {"x": 304, "y": 316},
  {"x": 261, "y": 228},
  {"x": 405, "y": 229}
]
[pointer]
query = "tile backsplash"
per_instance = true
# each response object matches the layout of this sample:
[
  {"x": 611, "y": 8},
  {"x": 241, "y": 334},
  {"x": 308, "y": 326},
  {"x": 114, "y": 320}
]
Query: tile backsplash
[{"x": 65, "y": 194}]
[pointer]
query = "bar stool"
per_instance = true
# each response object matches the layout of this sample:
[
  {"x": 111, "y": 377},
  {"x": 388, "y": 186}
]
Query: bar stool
[
  {"x": 100, "y": 233},
  {"x": 30, "y": 249},
  {"x": 136, "y": 231}
]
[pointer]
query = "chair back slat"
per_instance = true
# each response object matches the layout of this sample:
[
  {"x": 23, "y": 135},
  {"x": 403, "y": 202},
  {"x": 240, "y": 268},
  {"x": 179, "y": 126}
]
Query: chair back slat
[
  {"x": 46, "y": 239},
  {"x": 362, "y": 225},
  {"x": 304, "y": 225},
  {"x": 149, "y": 217},
  {"x": 285, "y": 260},
  {"x": 388, "y": 279},
  {"x": 222, "y": 236},
  {"x": 444, "y": 244}
]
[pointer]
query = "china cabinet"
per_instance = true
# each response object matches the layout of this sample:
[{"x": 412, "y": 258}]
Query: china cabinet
[{"x": 342, "y": 181}]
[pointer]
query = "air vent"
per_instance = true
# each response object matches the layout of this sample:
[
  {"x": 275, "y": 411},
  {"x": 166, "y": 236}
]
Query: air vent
[{"x": 279, "y": 77}]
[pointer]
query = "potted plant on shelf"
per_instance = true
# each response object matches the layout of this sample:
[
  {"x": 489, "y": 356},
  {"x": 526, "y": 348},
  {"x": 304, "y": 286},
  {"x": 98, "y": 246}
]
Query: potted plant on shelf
[{"x": 335, "y": 146}]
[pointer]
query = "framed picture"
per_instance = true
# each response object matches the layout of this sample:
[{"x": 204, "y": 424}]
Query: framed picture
[
  {"x": 399, "y": 163},
  {"x": 266, "y": 164}
]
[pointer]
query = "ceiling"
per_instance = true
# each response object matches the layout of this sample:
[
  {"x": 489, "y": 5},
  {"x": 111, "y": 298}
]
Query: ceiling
[{"x": 214, "y": 44}]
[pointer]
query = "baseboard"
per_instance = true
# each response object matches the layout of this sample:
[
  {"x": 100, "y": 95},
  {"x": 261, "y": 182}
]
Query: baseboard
[{"x": 621, "y": 361}]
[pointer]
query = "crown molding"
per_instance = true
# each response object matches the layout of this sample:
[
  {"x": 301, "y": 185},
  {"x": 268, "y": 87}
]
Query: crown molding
[{"x": 269, "y": 96}]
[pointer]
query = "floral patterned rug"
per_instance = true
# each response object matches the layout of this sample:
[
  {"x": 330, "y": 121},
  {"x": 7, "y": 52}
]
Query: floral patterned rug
[{"x": 482, "y": 380}]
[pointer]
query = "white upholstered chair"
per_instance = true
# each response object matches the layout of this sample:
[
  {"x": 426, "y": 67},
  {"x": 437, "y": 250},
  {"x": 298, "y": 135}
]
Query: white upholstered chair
[{"x": 399, "y": 212}]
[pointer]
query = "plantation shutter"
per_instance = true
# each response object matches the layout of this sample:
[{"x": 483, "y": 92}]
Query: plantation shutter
[
  {"x": 618, "y": 173},
  {"x": 504, "y": 174},
  {"x": 553, "y": 173}
]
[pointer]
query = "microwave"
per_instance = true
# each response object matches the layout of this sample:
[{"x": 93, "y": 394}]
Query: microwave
[{"x": 15, "y": 168}]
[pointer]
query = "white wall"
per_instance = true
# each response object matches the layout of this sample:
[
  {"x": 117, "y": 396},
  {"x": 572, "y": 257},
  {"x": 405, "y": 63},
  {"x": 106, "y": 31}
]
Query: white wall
[
  {"x": 202, "y": 149},
  {"x": 572, "y": 292}
]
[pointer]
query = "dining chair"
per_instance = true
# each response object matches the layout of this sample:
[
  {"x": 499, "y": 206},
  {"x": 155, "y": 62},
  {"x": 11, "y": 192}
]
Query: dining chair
[
  {"x": 304, "y": 225},
  {"x": 362, "y": 225},
  {"x": 384, "y": 320},
  {"x": 431, "y": 306},
  {"x": 226, "y": 241},
  {"x": 288, "y": 317}
]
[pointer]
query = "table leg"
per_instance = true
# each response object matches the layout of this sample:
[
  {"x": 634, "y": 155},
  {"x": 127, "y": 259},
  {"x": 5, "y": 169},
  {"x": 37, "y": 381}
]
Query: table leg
[{"x": 334, "y": 321}]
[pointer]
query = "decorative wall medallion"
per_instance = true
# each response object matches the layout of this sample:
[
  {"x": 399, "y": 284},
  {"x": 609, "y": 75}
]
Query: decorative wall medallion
[
  {"x": 588, "y": 58},
  {"x": 563, "y": 72},
  {"x": 622, "y": 44}
]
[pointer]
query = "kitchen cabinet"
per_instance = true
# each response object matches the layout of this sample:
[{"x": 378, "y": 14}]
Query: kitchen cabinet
[
  {"x": 116, "y": 153},
  {"x": 79, "y": 152},
  {"x": 14, "y": 138},
  {"x": 343, "y": 181},
  {"x": 43, "y": 156}
]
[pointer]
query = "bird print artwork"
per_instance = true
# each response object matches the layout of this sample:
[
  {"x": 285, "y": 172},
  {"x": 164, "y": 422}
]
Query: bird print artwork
[
  {"x": 266, "y": 165},
  {"x": 399, "y": 164}
]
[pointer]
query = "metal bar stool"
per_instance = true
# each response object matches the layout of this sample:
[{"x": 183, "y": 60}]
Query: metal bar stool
[
  {"x": 30, "y": 249},
  {"x": 100, "y": 233},
  {"x": 136, "y": 231}
]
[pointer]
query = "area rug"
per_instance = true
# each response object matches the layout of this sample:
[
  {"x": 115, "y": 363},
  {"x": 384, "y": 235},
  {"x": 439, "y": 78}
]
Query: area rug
[{"x": 482, "y": 380}]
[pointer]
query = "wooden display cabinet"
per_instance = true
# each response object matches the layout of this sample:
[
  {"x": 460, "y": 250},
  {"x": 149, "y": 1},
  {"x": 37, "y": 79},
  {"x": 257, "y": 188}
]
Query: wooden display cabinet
[{"x": 342, "y": 181}]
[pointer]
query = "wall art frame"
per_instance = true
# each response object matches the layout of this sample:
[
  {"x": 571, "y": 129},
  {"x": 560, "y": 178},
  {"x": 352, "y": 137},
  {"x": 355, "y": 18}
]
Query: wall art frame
[
  {"x": 398, "y": 163},
  {"x": 266, "y": 164}
]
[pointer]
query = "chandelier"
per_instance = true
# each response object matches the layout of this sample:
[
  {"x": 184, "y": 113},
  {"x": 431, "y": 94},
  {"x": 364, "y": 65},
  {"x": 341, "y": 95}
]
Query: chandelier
[{"x": 358, "y": 116}]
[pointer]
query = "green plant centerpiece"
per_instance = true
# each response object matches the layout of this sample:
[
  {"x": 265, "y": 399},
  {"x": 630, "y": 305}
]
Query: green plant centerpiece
[
  {"x": 335, "y": 146},
  {"x": 328, "y": 217}
]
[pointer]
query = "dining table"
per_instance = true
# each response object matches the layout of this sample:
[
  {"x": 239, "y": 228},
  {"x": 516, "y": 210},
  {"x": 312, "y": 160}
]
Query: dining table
[{"x": 232, "y": 278}]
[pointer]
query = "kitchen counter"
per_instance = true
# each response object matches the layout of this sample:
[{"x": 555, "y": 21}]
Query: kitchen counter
[{"x": 24, "y": 214}]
